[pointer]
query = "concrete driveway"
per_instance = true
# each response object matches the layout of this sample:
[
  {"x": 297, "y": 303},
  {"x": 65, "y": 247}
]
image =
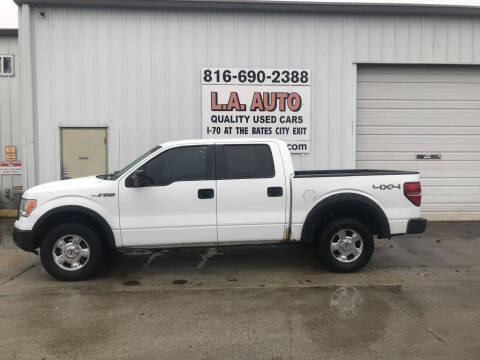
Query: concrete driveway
[{"x": 419, "y": 299}]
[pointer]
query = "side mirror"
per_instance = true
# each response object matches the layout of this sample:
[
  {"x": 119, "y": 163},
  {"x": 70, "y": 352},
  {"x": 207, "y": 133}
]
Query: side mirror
[{"x": 138, "y": 178}]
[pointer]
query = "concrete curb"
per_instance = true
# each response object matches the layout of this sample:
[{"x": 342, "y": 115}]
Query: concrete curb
[{"x": 8, "y": 213}]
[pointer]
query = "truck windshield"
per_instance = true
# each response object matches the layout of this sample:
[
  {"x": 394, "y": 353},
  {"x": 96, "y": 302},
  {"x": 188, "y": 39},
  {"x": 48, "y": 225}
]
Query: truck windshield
[{"x": 118, "y": 173}]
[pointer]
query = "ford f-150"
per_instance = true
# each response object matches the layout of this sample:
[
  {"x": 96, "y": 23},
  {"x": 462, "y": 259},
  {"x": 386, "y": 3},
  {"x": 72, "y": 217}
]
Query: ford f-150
[{"x": 216, "y": 193}]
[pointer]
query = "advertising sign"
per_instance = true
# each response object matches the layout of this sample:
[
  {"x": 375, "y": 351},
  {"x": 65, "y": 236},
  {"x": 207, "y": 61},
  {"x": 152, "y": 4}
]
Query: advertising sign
[
  {"x": 257, "y": 103},
  {"x": 10, "y": 168}
]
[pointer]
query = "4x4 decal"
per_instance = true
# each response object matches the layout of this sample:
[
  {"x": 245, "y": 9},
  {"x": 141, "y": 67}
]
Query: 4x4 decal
[{"x": 386, "y": 187}]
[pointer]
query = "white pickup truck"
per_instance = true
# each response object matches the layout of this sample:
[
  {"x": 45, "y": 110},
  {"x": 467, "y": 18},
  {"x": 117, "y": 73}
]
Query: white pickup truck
[{"x": 216, "y": 193}]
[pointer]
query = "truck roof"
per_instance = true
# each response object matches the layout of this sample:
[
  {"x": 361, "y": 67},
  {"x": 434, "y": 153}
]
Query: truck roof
[{"x": 221, "y": 140}]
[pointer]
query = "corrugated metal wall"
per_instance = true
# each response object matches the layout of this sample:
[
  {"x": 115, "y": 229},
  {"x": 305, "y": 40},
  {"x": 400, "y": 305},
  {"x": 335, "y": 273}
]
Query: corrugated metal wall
[
  {"x": 10, "y": 127},
  {"x": 138, "y": 71}
]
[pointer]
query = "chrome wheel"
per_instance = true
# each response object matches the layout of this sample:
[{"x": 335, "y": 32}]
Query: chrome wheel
[
  {"x": 71, "y": 252},
  {"x": 346, "y": 245}
]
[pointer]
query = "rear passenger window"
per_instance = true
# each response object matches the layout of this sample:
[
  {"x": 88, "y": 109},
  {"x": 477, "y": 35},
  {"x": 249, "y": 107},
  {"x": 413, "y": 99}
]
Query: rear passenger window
[{"x": 245, "y": 162}]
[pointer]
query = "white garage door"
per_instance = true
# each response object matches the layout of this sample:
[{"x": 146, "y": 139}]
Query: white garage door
[{"x": 406, "y": 113}]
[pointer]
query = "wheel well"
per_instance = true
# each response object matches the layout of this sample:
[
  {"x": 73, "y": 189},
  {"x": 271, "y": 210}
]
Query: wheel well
[
  {"x": 87, "y": 218},
  {"x": 346, "y": 205}
]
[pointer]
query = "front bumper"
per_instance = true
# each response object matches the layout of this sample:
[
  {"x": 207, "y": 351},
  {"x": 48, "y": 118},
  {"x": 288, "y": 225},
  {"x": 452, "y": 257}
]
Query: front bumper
[
  {"x": 24, "y": 239},
  {"x": 416, "y": 226}
]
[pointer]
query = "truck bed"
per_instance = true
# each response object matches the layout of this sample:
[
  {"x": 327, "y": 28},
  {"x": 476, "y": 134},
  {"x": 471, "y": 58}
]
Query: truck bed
[{"x": 350, "y": 172}]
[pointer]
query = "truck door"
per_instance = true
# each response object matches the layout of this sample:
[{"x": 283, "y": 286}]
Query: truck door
[
  {"x": 251, "y": 193},
  {"x": 177, "y": 205}
]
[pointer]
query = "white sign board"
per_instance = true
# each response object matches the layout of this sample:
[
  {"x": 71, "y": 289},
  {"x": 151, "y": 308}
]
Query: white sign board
[
  {"x": 257, "y": 103},
  {"x": 10, "y": 168}
]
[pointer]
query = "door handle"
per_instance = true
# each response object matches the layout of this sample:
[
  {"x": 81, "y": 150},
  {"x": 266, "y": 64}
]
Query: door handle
[
  {"x": 275, "y": 191},
  {"x": 205, "y": 193}
]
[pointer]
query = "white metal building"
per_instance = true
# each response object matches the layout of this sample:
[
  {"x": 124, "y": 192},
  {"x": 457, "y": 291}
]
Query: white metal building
[
  {"x": 391, "y": 86},
  {"x": 10, "y": 129}
]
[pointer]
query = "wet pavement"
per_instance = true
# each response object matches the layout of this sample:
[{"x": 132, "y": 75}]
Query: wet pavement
[{"x": 419, "y": 298}]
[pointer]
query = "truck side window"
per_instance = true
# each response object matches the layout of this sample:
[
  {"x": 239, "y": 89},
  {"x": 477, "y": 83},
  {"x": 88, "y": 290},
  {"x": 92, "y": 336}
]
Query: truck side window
[
  {"x": 180, "y": 164},
  {"x": 246, "y": 162}
]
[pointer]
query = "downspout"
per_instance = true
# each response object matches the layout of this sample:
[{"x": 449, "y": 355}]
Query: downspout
[{"x": 27, "y": 96}]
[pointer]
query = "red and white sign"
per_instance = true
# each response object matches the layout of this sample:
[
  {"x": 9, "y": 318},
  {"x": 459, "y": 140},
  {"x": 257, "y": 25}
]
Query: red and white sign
[
  {"x": 10, "y": 168},
  {"x": 257, "y": 103}
]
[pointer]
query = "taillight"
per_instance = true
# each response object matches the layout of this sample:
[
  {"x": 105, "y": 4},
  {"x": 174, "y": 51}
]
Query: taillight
[{"x": 413, "y": 192}]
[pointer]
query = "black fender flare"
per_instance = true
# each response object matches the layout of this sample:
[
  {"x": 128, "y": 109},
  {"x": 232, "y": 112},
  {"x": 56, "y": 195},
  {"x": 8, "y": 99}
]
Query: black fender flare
[
  {"x": 323, "y": 207},
  {"x": 110, "y": 239}
]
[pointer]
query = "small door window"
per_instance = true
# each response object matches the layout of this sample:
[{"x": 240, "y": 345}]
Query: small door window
[
  {"x": 245, "y": 162},
  {"x": 180, "y": 164},
  {"x": 6, "y": 65}
]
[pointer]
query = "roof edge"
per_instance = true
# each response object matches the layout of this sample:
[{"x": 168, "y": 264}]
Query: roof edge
[
  {"x": 8, "y": 32},
  {"x": 275, "y": 5}
]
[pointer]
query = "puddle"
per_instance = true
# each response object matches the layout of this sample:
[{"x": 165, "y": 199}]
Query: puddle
[
  {"x": 345, "y": 315},
  {"x": 345, "y": 302},
  {"x": 155, "y": 255},
  {"x": 211, "y": 252}
]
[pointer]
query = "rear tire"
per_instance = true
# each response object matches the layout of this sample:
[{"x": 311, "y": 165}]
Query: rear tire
[
  {"x": 72, "y": 252},
  {"x": 345, "y": 245}
]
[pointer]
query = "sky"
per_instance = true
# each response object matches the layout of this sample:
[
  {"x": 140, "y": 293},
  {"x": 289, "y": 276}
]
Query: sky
[
  {"x": 8, "y": 14},
  {"x": 9, "y": 19}
]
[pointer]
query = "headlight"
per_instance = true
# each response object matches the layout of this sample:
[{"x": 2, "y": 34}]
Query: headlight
[{"x": 26, "y": 207}]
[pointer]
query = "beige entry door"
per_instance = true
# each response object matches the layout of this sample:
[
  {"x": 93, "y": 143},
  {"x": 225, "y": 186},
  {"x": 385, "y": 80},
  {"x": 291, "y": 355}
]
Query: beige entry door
[{"x": 84, "y": 152}]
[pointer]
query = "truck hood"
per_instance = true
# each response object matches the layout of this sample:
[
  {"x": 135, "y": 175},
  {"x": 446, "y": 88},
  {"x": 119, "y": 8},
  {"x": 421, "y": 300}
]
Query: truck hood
[{"x": 64, "y": 187}]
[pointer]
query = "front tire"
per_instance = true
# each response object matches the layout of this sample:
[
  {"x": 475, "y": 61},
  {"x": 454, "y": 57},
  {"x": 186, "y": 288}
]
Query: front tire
[
  {"x": 346, "y": 245},
  {"x": 72, "y": 252}
]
